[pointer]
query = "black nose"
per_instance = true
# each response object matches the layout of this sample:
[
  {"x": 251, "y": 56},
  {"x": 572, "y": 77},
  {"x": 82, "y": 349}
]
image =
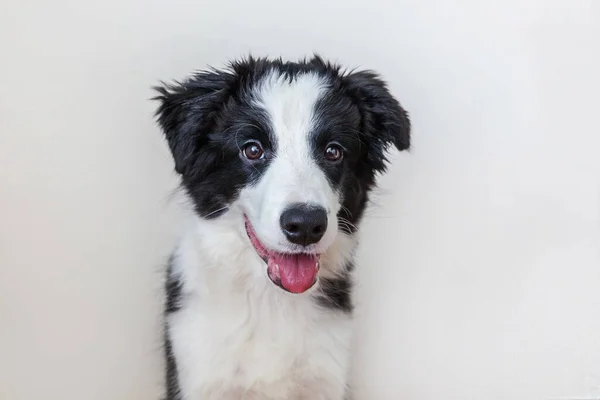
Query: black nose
[{"x": 304, "y": 223}]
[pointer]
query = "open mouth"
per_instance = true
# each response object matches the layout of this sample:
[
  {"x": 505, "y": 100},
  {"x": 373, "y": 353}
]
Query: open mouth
[{"x": 293, "y": 272}]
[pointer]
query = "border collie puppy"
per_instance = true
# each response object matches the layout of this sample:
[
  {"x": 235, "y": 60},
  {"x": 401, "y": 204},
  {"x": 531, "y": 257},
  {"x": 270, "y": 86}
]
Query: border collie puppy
[{"x": 277, "y": 159}]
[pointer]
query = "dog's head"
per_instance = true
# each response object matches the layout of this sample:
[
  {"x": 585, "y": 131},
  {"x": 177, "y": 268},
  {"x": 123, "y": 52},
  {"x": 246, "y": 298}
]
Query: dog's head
[{"x": 292, "y": 148}]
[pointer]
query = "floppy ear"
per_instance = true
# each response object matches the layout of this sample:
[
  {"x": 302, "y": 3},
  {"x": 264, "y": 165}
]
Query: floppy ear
[
  {"x": 383, "y": 117},
  {"x": 187, "y": 113}
]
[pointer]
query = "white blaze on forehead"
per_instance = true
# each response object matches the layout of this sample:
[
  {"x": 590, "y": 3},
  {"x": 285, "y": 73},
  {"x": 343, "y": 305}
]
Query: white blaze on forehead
[{"x": 290, "y": 105}]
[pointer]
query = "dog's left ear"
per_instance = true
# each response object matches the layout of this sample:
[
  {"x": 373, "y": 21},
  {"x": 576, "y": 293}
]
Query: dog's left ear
[{"x": 383, "y": 117}]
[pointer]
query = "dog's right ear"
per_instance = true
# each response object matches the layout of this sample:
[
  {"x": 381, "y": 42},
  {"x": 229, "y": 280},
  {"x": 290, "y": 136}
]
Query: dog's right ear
[{"x": 188, "y": 110}]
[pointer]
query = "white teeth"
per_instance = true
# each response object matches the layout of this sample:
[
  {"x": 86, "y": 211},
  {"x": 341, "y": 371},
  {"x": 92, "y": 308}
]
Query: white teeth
[{"x": 318, "y": 266}]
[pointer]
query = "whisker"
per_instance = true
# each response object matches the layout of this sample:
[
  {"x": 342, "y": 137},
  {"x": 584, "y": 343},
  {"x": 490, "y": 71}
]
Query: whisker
[
  {"x": 347, "y": 210},
  {"x": 215, "y": 212}
]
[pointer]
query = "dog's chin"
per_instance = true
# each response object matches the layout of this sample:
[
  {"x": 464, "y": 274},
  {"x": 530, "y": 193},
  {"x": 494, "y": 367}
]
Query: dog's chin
[{"x": 293, "y": 272}]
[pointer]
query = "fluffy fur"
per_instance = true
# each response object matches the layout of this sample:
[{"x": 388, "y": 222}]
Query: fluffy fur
[{"x": 233, "y": 330}]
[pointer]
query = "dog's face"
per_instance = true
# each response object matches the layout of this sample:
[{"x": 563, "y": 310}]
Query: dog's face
[{"x": 292, "y": 148}]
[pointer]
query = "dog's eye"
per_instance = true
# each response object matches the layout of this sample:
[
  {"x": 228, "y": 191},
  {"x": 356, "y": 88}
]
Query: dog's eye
[
  {"x": 333, "y": 152},
  {"x": 253, "y": 151}
]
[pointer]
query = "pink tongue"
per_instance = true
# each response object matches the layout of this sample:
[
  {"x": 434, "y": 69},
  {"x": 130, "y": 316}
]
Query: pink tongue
[{"x": 297, "y": 272}]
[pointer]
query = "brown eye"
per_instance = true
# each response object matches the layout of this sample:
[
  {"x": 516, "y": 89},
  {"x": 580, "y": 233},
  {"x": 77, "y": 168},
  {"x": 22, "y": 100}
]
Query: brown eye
[
  {"x": 253, "y": 151},
  {"x": 333, "y": 153}
]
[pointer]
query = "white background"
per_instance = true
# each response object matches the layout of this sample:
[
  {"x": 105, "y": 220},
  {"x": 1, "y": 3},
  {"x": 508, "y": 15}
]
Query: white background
[{"x": 480, "y": 262}]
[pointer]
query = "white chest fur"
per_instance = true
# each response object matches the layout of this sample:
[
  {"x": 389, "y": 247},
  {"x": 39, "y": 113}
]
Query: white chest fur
[{"x": 239, "y": 337}]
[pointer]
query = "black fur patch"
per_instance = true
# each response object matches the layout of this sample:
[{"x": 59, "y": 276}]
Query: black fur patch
[
  {"x": 361, "y": 115},
  {"x": 336, "y": 293},
  {"x": 173, "y": 300}
]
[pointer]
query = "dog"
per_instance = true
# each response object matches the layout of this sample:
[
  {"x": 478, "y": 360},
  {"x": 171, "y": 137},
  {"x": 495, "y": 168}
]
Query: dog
[{"x": 277, "y": 159}]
